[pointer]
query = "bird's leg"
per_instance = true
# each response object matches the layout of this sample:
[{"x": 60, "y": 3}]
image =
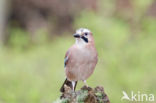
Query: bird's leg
[
  {"x": 73, "y": 84},
  {"x": 85, "y": 82}
]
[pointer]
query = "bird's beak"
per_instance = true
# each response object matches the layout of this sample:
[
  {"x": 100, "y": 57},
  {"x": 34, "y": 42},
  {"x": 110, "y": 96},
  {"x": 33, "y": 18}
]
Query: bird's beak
[{"x": 76, "y": 35}]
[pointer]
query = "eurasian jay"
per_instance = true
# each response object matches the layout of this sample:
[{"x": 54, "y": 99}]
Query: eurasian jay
[{"x": 80, "y": 60}]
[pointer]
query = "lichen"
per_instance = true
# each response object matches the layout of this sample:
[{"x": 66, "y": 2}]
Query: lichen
[
  {"x": 99, "y": 95},
  {"x": 66, "y": 100},
  {"x": 82, "y": 96}
]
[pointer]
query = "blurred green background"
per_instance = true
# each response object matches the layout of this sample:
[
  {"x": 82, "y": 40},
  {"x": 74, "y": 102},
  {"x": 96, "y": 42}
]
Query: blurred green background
[{"x": 35, "y": 35}]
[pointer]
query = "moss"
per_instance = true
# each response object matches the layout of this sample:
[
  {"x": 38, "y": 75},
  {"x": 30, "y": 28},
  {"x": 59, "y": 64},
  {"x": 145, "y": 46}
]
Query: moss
[
  {"x": 85, "y": 95},
  {"x": 66, "y": 100},
  {"x": 82, "y": 96},
  {"x": 99, "y": 94}
]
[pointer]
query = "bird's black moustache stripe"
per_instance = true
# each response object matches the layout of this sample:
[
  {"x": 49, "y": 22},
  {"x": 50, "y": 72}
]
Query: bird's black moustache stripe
[{"x": 85, "y": 39}]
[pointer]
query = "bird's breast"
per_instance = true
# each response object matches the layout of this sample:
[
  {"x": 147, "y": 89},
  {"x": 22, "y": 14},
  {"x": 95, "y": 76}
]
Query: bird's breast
[
  {"x": 83, "y": 55},
  {"x": 83, "y": 62}
]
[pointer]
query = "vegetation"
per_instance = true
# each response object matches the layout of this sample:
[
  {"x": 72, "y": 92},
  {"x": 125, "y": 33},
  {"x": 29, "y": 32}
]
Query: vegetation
[{"x": 84, "y": 95}]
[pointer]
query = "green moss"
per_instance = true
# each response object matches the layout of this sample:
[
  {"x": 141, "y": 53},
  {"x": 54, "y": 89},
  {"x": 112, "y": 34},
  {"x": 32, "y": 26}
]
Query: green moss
[
  {"x": 65, "y": 100},
  {"x": 82, "y": 96},
  {"x": 99, "y": 94},
  {"x": 62, "y": 101}
]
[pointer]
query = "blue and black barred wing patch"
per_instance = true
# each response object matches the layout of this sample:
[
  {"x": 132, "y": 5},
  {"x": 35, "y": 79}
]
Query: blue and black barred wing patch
[{"x": 66, "y": 59}]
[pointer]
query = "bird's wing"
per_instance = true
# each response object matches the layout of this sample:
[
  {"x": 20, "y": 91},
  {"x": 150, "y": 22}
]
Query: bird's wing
[
  {"x": 68, "y": 56},
  {"x": 66, "y": 59}
]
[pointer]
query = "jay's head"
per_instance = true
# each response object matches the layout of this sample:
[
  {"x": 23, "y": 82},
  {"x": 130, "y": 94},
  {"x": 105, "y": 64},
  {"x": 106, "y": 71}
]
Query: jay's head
[{"x": 83, "y": 36}]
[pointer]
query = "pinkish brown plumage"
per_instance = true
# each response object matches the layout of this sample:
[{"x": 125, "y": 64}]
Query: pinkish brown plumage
[{"x": 80, "y": 59}]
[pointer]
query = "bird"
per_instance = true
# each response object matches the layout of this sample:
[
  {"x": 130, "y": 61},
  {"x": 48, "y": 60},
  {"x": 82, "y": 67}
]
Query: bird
[{"x": 80, "y": 59}]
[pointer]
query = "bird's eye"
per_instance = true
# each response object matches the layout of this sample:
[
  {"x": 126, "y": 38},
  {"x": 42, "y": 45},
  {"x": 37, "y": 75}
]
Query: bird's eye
[{"x": 86, "y": 34}]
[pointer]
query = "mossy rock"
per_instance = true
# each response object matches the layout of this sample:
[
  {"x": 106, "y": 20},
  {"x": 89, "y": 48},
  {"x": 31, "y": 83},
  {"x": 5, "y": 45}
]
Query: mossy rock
[{"x": 84, "y": 95}]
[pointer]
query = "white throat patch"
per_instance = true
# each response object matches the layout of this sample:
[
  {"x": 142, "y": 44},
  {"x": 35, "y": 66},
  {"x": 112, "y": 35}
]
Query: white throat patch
[{"x": 80, "y": 43}]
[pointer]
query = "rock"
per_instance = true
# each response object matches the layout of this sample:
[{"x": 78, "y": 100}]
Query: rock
[{"x": 84, "y": 95}]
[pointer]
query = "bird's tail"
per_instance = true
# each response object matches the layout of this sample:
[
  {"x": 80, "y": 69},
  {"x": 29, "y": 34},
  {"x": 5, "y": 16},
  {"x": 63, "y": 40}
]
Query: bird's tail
[{"x": 69, "y": 84}]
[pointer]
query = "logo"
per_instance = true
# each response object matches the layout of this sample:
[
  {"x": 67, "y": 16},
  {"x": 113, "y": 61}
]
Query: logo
[{"x": 138, "y": 96}]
